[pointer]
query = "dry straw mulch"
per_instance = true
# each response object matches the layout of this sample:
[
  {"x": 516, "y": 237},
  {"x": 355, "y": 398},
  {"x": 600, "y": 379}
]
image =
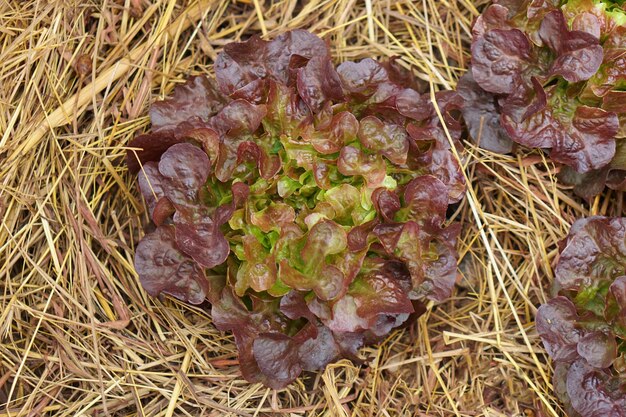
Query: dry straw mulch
[{"x": 78, "y": 336}]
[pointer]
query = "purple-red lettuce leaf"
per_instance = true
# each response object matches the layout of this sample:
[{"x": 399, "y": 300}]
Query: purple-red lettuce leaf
[
  {"x": 229, "y": 313},
  {"x": 339, "y": 130},
  {"x": 179, "y": 182},
  {"x": 499, "y": 57},
  {"x": 239, "y": 117},
  {"x": 374, "y": 302},
  {"x": 199, "y": 236},
  {"x": 495, "y": 16},
  {"x": 586, "y": 185},
  {"x": 319, "y": 349},
  {"x": 176, "y": 119},
  {"x": 362, "y": 79},
  {"x": 387, "y": 139},
  {"x": 151, "y": 184},
  {"x": 277, "y": 355},
  {"x": 387, "y": 203},
  {"x": 598, "y": 349},
  {"x": 380, "y": 89},
  {"x": 482, "y": 117},
  {"x": 578, "y": 53},
  {"x": 235, "y": 124},
  {"x": 318, "y": 82},
  {"x": 198, "y": 232},
  {"x": 163, "y": 268},
  {"x": 411, "y": 104},
  {"x": 430, "y": 150},
  {"x": 525, "y": 118},
  {"x": 580, "y": 136},
  {"x": 402, "y": 76},
  {"x": 186, "y": 168},
  {"x": 267, "y": 353},
  {"x": 293, "y": 305},
  {"x": 450, "y": 103},
  {"x": 429, "y": 258},
  {"x": 353, "y": 161},
  {"x": 425, "y": 202},
  {"x": 583, "y": 328},
  {"x": 556, "y": 324},
  {"x": 244, "y": 63},
  {"x": 594, "y": 254},
  {"x": 594, "y": 393},
  {"x": 194, "y": 101},
  {"x": 559, "y": 382},
  {"x": 149, "y": 148},
  {"x": 590, "y": 184}
]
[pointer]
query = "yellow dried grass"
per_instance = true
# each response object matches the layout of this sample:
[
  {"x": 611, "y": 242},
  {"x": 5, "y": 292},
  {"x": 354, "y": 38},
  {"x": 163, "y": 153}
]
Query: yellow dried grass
[{"x": 78, "y": 336}]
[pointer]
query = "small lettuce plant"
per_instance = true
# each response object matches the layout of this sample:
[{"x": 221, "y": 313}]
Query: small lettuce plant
[
  {"x": 584, "y": 327},
  {"x": 304, "y": 202},
  {"x": 551, "y": 74}
]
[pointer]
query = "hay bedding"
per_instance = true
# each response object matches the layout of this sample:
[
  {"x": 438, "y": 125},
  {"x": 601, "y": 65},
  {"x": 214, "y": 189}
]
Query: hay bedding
[{"x": 78, "y": 336}]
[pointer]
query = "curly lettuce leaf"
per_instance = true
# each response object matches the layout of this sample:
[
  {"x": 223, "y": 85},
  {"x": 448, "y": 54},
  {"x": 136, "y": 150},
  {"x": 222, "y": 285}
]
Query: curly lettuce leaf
[
  {"x": 594, "y": 393},
  {"x": 591, "y": 183},
  {"x": 498, "y": 59},
  {"x": 578, "y": 53},
  {"x": 374, "y": 302},
  {"x": 333, "y": 134},
  {"x": 176, "y": 119},
  {"x": 431, "y": 148},
  {"x": 163, "y": 268},
  {"x": 579, "y": 136},
  {"x": 241, "y": 65},
  {"x": 481, "y": 115},
  {"x": 556, "y": 325},
  {"x": 194, "y": 101},
  {"x": 594, "y": 254},
  {"x": 386, "y": 139}
]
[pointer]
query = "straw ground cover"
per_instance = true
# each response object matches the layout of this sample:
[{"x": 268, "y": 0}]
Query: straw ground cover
[{"x": 78, "y": 336}]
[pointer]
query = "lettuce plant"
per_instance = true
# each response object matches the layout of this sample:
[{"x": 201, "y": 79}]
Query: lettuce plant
[
  {"x": 552, "y": 74},
  {"x": 304, "y": 202},
  {"x": 584, "y": 328}
]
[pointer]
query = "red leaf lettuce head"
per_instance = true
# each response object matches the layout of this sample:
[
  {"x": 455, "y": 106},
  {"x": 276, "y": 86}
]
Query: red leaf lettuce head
[
  {"x": 551, "y": 75},
  {"x": 305, "y": 202},
  {"x": 584, "y": 328}
]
